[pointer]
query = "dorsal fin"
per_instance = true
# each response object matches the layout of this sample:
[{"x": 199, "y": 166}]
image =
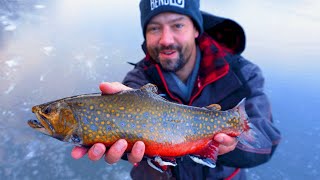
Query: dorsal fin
[
  {"x": 214, "y": 107},
  {"x": 153, "y": 89},
  {"x": 150, "y": 88}
]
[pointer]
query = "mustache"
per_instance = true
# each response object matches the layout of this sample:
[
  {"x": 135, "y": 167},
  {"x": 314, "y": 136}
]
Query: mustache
[{"x": 170, "y": 47}]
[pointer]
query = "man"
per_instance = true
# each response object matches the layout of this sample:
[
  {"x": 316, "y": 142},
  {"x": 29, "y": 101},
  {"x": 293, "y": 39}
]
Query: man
[{"x": 189, "y": 66}]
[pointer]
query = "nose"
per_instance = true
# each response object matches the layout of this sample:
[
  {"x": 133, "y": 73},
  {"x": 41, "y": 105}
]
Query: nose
[{"x": 166, "y": 38}]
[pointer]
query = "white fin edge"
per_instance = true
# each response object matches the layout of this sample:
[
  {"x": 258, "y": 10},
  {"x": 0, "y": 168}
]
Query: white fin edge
[
  {"x": 153, "y": 166},
  {"x": 201, "y": 161},
  {"x": 163, "y": 163}
]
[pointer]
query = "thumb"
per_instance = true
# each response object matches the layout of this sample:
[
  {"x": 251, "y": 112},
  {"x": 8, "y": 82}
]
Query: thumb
[{"x": 112, "y": 87}]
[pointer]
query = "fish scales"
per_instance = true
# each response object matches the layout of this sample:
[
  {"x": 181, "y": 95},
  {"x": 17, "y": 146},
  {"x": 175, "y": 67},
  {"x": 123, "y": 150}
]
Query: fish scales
[
  {"x": 167, "y": 129},
  {"x": 154, "y": 120}
]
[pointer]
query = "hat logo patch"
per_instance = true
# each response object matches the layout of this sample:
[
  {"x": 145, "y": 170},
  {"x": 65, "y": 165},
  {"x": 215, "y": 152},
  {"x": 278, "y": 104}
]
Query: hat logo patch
[{"x": 157, "y": 3}]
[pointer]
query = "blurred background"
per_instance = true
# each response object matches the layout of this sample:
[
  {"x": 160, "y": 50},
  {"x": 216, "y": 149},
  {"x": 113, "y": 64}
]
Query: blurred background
[{"x": 54, "y": 49}]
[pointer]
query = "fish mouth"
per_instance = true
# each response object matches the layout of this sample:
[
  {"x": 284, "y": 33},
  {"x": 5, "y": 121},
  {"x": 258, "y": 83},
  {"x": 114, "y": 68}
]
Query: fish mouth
[
  {"x": 35, "y": 124},
  {"x": 43, "y": 125}
]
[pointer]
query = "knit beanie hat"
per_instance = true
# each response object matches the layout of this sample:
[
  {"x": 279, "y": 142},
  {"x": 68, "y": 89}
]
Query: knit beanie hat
[{"x": 151, "y": 8}]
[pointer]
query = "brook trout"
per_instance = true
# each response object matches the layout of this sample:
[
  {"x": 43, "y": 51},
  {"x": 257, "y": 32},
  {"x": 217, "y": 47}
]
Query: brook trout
[{"x": 168, "y": 129}]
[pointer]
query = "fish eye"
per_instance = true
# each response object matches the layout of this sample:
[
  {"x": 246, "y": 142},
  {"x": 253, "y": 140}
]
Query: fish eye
[{"x": 47, "y": 110}]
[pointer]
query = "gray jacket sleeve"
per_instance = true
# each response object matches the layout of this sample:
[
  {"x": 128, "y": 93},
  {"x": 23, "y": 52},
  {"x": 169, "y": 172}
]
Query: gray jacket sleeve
[{"x": 136, "y": 77}]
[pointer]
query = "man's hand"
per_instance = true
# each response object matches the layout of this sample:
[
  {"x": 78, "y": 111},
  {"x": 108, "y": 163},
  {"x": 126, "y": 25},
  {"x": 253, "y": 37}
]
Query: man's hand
[
  {"x": 227, "y": 143},
  {"x": 116, "y": 151}
]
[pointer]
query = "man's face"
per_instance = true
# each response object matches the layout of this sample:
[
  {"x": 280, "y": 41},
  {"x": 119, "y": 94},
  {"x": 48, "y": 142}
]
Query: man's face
[{"x": 170, "y": 39}]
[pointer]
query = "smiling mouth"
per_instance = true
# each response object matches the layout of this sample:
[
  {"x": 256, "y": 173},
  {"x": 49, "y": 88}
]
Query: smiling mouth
[{"x": 167, "y": 52}]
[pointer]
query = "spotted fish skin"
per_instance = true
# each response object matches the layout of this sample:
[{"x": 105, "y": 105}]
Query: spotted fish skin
[{"x": 168, "y": 129}]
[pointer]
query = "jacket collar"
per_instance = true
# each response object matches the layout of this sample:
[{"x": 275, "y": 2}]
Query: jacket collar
[{"x": 213, "y": 65}]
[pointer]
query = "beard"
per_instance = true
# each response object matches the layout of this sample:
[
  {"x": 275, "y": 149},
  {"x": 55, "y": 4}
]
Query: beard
[{"x": 172, "y": 64}]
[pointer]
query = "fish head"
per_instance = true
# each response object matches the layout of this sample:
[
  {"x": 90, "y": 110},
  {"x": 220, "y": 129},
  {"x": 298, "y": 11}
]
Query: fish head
[{"x": 55, "y": 119}]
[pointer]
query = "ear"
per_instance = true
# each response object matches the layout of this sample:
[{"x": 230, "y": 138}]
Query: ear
[{"x": 196, "y": 32}]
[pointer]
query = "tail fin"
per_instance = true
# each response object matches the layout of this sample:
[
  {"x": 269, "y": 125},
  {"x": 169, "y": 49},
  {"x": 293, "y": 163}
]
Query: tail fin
[
  {"x": 251, "y": 137},
  {"x": 240, "y": 108}
]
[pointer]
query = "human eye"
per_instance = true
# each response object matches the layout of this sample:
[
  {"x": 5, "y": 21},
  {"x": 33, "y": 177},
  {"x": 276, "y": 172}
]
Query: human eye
[
  {"x": 152, "y": 29},
  {"x": 178, "y": 26}
]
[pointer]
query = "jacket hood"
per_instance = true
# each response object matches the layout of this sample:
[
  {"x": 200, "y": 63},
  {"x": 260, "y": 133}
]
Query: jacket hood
[{"x": 225, "y": 31}]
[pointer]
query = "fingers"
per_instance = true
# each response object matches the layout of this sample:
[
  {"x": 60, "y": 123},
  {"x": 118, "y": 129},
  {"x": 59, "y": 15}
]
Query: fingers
[
  {"x": 114, "y": 154},
  {"x": 224, "y": 139},
  {"x": 116, "y": 151},
  {"x": 137, "y": 152},
  {"x": 78, "y": 152},
  {"x": 225, "y": 149},
  {"x": 227, "y": 143},
  {"x": 112, "y": 87},
  {"x": 96, "y": 151}
]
